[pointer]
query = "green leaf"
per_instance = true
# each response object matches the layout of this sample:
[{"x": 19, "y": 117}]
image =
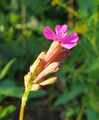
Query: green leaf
[
  {"x": 12, "y": 91},
  {"x": 70, "y": 111},
  {"x": 37, "y": 94},
  {"x": 6, "y": 68},
  {"x": 8, "y": 83},
  {"x": 2, "y": 19},
  {"x": 88, "y": 3},
  {"x": 17, "y": 92},
  {"x": 70, "y": 95},
  {"x": 7, "y": 110},
  {"x": 92, "y": 114},
  {"x": 94, "y": 66}
]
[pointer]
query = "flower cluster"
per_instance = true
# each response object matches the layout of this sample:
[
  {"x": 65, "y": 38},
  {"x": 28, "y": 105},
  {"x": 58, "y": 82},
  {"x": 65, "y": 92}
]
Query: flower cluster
[
  {"x": 49, "y": 62},
  {"x": 38, "y": 73}
]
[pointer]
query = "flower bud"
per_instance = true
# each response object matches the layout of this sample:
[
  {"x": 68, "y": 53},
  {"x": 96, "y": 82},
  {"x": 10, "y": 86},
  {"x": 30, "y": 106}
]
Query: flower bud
[
  {"x": 37, "y": 62},
  {"x": 49, "y": 81},
  {"x": 54, "y": 48},
  {"x": 27, "y": 80},
  {"x": 35, "y": 87},
  {"x": 61, "y": 55},
  {"x": 53, "y": 67}
]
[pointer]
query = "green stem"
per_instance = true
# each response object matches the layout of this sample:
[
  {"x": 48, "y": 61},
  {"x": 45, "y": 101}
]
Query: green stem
[
  {"x": 24, "y": 100},
  {"x": 71, "y": 10}
]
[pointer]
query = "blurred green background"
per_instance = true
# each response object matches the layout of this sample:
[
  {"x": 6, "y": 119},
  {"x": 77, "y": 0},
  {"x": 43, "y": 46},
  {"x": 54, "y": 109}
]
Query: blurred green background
[{"x": 76, "y": 95}]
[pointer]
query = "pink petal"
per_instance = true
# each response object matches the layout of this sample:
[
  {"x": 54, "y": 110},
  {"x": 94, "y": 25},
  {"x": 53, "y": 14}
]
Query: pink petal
[
  {"x": 57, "y": 29},
  {"x": 69, "y": 46},
  {"x": 63, "y": 31},
  {"x": 48, "y": 33},
  {"x": 70, "y": 41}
]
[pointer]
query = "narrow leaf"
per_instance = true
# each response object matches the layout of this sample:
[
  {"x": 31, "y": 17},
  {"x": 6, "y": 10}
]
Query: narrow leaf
[{"x": 6, "y": 68}]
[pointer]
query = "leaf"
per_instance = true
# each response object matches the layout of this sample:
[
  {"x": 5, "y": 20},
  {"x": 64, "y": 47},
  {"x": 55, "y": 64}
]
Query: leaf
[
  {"x": 6, "y": 68},
  {"x": 12, "y": 91},
  {"x": 17, "y": 92},
  {"x": 8, "y": 82},
  {"x": 88, "y": 4},
  {"x": 70, "y": 95},
  {"x": 7, "y": 110},
  {"x": 92, "y": 114},
  {"x": 37, "y": 94},
  {"x": 2, "y": 19},
  {"x": 94, "y": 66},
  {"x": 70, "y": 111}
]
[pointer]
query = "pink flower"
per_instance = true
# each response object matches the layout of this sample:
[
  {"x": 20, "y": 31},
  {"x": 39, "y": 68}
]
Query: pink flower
[{"x": 66, "y": 41}]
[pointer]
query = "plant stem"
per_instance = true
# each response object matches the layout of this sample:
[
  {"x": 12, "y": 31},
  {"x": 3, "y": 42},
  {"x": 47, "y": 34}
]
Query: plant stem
[
  {"x": 71, "y": 10},
  {"x": 24, "y": 100}
]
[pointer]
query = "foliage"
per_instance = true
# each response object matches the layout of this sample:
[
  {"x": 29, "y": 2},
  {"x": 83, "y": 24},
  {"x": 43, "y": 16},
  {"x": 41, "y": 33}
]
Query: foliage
[
  {"x": 21, "y": 40},
  {"x": 5, "y": 111}
]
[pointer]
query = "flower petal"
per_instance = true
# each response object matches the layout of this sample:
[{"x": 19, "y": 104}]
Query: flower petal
[
  {"x": 48, "y": 33},
  {"x": 69, "y": 46},
  {"x": 57, "y": 29},
  {"x": 63, "y": 31},
  {"x": 70, "y": 41}
]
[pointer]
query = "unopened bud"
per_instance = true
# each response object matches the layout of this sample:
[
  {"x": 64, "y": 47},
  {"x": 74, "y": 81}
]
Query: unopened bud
[
  {"x": 49, "y": 81},
  {"x": 54, "y": 48},
  {"x": 62, "y": 55},
  {"x": 35, "y": 87},
  {"x": 27, "y": 76},
  {"x": 27, "y": 79},
  {"x": 53, "y": 67},
  {"x": 37, "y": 62}
]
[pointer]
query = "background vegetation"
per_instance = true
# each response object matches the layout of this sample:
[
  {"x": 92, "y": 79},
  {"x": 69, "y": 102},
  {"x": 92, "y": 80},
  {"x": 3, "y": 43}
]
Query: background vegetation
[{"x": 76, "y": 95}]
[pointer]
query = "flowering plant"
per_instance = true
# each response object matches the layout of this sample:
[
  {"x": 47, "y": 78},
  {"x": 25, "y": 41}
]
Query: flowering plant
[{"x": 48, "y": 62}]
